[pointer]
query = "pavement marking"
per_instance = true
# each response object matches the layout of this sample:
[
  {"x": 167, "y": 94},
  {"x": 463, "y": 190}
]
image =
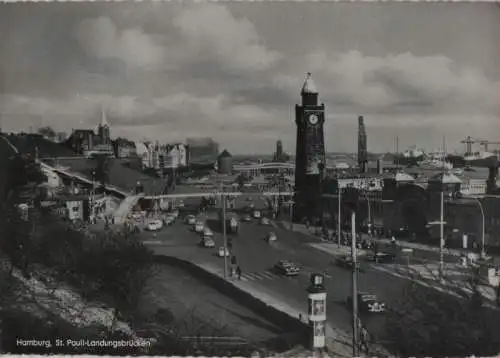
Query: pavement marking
[{"x": 263, "y": 275}]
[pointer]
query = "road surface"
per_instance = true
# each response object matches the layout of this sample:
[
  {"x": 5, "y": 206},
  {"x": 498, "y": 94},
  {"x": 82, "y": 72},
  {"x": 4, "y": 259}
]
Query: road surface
[{"x": 256, "y": 258}]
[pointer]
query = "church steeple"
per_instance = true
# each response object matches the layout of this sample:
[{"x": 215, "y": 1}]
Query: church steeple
[
  {"x": 104, "y": 121},
  {"x": 309, "y": 92}
]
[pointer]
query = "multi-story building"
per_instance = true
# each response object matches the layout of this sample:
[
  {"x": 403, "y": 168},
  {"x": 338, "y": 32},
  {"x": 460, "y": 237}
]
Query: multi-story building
[
  {"x": 201, "y": 150},
  {"x": 124, "y": 148},
  {"x": 162, "y": 156}
]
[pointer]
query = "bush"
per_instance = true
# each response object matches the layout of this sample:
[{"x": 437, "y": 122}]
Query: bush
[{"x": 427, "y": 322}]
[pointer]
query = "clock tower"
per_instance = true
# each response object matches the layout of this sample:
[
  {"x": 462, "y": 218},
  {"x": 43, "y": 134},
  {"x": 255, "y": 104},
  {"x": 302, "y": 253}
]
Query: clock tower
[{"x": 310, "y": 152}]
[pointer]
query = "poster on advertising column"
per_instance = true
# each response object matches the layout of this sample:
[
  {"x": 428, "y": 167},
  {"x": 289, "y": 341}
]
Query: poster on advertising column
[
  {"x": 319, "y": 338},
  {"x": 318, "y": 308}
]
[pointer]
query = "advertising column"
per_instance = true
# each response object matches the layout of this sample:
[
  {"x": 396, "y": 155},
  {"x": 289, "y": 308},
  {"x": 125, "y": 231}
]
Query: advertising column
[{"x": 317, "y": 310}]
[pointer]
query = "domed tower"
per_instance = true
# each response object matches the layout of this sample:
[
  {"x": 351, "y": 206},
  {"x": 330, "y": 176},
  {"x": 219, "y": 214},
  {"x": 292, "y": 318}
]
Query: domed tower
[{"x": 310, "y": 151}]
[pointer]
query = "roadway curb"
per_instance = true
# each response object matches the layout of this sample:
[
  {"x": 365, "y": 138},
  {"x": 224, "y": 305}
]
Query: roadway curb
[{"x": 275, "y": 315}]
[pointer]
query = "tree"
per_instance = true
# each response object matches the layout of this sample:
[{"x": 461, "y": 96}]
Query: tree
[
  {"x": 455, "y": 323},
  {"x": 102, "y": 169}
]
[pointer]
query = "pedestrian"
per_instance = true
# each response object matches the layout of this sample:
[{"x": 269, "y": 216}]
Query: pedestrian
[
  {"x": 364, "y": 338},
  {"x": 238, "y": 272}
]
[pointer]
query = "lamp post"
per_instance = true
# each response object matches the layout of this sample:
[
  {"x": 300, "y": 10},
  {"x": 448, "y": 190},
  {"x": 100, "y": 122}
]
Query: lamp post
[
  {"x": 483, "y": 224},
  {"x": 224, "y": 233},
  {"x": 339, "y": 215},
  {"x": 354, "y": 256},
  {"x": 441, "y": 223}
]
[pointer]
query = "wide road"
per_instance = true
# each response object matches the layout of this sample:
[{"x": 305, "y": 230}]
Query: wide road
[{"x": 256, "y": 258}]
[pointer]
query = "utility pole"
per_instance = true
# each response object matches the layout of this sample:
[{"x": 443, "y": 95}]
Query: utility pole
[
  {"x": 224, "y": 234},
  {"x": 354, "y": 254},
  {"x": 441, "y": 237},
  {"x": 339, "y": 216}
]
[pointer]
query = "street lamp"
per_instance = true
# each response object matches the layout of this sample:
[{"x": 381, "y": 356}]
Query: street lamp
[
  {"x": 224, "y": 233},
  {"x": 441, "y": 223},
  {"x": 483, "y": 252},
  {"x": 354, "y": 258},
  {"x": 339, "y": 215}
]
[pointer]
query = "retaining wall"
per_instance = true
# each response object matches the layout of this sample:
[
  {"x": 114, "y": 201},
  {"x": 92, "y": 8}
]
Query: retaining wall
[{"x": 277, "y": 317}]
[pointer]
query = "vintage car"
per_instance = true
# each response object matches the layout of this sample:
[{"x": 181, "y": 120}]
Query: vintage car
[
  {"x": 347, "y": 263},
  {"x": 287, "y": 268},
  {"x": 367, "y": 303}
]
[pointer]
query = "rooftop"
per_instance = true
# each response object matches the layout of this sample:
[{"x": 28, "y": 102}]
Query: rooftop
[{"x": 445, "y": 178}]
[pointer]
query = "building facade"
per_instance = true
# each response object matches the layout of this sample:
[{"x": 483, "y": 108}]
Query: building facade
[
  {"x": 89, "y": 142},
  {"x": 310, "y": 158}
]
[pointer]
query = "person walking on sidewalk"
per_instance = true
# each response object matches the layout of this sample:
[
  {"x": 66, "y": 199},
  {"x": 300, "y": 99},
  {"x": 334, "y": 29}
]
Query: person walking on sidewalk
[
  {"x": 364, "y": 338},
  {"x": 238, "y": 272}
]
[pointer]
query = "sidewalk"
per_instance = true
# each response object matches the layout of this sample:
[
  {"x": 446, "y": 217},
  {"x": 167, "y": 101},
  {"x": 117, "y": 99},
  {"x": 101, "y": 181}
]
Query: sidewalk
[{"x": 338, "y": 342}]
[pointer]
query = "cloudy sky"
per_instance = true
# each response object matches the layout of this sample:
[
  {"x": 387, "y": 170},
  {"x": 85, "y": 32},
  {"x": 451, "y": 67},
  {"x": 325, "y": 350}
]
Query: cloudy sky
[{"x": 167, "y": 71}]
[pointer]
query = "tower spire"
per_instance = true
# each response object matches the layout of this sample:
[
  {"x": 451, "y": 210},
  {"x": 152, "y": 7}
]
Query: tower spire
[{"x": 104, "y": 121}]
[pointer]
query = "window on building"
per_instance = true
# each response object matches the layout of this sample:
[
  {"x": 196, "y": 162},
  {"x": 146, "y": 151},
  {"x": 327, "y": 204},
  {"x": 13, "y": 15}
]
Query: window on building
[{"x": 75, "y": 209}]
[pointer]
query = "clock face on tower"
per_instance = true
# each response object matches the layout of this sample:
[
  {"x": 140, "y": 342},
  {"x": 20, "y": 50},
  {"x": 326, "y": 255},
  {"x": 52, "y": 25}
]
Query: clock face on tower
[{"x": 313, "y": 119}]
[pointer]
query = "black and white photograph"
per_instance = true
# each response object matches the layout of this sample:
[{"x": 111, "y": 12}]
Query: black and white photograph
[{"x": 193, "y": 178}]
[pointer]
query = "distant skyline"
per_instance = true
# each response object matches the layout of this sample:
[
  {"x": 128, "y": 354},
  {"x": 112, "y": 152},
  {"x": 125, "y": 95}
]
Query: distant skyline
[{"x": 233, "y": 71}]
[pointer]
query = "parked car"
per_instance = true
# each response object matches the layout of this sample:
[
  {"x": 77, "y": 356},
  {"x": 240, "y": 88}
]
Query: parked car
[
  {"x": 247, "y": 218},
  {"x": 256, "y": 214},
  {"x": 383, "y": 257},
  {"x": 287, "y": 268},
  {"x": 190, "y": 219},
  {"x": 367, "y": 303},
  {"x": 265, "y": 221},
  {"x": 271, "y": 237},
  {"x": 346, "y": 262},
  {"x": 221, "y": 252},
  {"x": 154, "y": 225},
  {"x": 207, "y": 232},
  {"x": 169, "y": 220},
  {"x": 198, "y": 227},
  {"x": 207, "y": 242}
]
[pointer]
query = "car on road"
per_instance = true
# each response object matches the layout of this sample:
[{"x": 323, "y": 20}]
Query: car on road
[
  {"x": 181, "y": 204},
  {"x": 223, "y": 252},
  {"x": 190, "y": 219},
  {"x": 207, "y": 232},
  {"x": 271, "y": 237},
  {"x": 383, "y": 257},
  {"x": 346, "y": 262},
  {"x": 207, "y": 242},
  {"x": 169, "y": 220},
  {"x": 198, "y": 227},
  {"x": 367, "y": 303},
  {"x": 154, "y": 225},
  {"x": 265, "y": 221},
  {"x": 247, "y": 218},
  {"x": 287, "y": 268}
]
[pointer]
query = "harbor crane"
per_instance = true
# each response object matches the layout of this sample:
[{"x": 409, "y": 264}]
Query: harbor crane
[{"x": 469, "y": 141}]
